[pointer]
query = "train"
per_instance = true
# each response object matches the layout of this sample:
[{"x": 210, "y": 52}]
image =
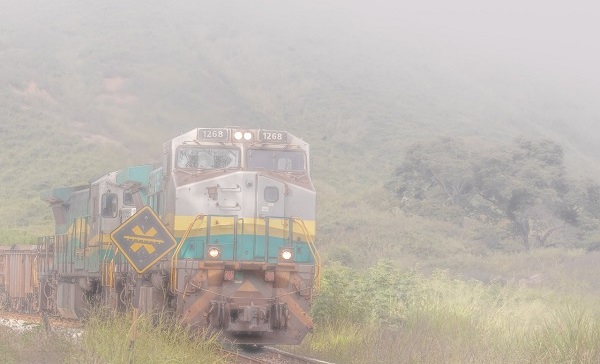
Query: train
[{"x": 219, "y": 235}]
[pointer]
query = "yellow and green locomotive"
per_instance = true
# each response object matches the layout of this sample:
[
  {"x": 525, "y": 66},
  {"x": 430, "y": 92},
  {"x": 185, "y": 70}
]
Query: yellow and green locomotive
[{"x": 240, "y": 205}]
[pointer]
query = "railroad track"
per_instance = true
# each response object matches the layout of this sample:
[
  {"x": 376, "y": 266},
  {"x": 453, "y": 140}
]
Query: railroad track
[{"x": 269, "y": 355}]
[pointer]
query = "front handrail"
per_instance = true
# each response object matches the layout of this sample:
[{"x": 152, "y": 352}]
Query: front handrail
[
  {"x": 310, "y": 242},
  {"x": 313, "y": 250},
  {"x": 178, "y": 249}
]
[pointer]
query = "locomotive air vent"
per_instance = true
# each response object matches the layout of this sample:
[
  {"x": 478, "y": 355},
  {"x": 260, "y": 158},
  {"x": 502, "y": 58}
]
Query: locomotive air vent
[{"x": 127, "y": 212}]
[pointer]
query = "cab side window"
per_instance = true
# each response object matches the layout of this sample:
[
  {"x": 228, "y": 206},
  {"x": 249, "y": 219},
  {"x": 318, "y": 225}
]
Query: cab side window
[{"x": 110, "y": 204}]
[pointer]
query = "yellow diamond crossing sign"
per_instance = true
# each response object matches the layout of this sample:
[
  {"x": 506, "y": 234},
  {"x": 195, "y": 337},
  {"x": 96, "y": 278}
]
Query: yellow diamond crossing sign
[{"x": 143, "y": 239}]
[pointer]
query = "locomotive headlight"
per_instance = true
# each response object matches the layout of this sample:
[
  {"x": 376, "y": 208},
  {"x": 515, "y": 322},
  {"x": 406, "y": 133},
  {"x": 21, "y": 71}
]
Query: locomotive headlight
[
  {"x": 248, "y": 135},
  {"x": 214, "y": 252},
  {"x": 238, "y": 135},
  {"x": 286, "y": 254}
]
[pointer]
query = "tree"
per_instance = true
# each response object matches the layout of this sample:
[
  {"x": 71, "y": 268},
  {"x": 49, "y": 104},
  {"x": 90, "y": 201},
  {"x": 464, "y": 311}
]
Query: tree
[
  {"x": 439, "y": 170},
  {"x": 525, "y": 184},
  {"x": 522, "y": 183}
]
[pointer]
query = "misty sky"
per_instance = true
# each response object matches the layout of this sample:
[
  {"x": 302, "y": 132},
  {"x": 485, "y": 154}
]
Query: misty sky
[
  {"x": 553, "y": 42},
  {"x": 551, "y": 36}
]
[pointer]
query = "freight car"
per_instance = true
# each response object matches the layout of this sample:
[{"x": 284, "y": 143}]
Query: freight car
[
  {"x": 18, "y": 281},
  {"x": 240, "y": 206}
]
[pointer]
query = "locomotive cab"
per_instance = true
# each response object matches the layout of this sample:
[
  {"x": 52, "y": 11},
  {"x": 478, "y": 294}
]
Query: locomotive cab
[{"x": 243, "y": 213}]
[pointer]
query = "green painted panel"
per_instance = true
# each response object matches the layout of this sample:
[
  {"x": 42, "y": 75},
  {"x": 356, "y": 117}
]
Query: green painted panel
[
  {"x": 135, "y": 174},
  {"x": 249, "y": 248}
]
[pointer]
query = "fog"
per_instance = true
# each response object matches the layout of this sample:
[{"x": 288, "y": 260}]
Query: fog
[
  {"x": 546, "y": 37},
  {"x": 551, "y": 36},
  {"x": 549, "y": 49},
  {"x": 502, "y": 61}
]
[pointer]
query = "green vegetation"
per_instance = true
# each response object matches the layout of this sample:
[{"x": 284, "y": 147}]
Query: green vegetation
[
  {"x": 32, "y": 347},
  {"x": 106, "y": 340},
  {"x": 6, "y": 352},
  {"x": 523, "y": 186},
  {"x": 386, "y": 316},
  {"x": 14, "y": 236}
]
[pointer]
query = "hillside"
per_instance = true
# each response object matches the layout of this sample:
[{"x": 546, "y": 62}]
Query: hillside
[{"x": 89, "y": 88}]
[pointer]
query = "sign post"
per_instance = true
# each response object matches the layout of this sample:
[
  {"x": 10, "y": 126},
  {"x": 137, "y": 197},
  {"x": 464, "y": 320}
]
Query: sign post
[
  {"x": 144, "y": 240},
  {"x": 136, "y": 308}
]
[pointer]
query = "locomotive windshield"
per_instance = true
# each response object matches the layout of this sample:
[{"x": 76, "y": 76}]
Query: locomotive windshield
[
  {"x": 276, "y": 160},
  {"x": 207, "y": 157}
]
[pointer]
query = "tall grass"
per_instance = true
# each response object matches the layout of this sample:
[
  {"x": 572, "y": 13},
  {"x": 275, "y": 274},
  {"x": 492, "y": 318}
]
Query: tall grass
[
  {"x": 32, "y": 347},
  {"x": 570, "y": 335},
  {"x": 106, "y": 340},
  {"x": 445, "y": 320},
  {"x": 7, "y": 353}
]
